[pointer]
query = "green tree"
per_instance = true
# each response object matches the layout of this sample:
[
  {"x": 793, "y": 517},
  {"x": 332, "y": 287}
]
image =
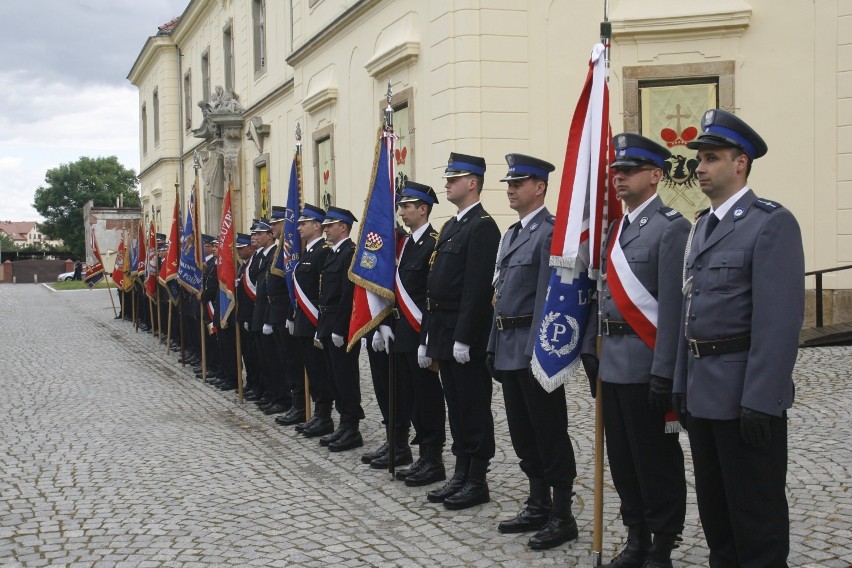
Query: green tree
[
  {"x": 70, "y": 186},
  {"x": 6, "y": 243}
]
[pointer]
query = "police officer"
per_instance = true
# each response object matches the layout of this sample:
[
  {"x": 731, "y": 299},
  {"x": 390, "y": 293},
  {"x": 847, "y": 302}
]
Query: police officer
[
  {"x": 742, "y": 314},
  {"x": 459, "y": 293},
  {"x": 537, "y": 419},
  {"x": 306, "y": 278},
  {"x": 419, "y": 398},
  {"x": 335, "y": 311},
  {"x": 638, "y": 352}
]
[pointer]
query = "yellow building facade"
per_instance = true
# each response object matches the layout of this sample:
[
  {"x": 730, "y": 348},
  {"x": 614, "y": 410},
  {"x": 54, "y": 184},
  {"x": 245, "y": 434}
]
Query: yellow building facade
[{"x": 490, "y": 77}]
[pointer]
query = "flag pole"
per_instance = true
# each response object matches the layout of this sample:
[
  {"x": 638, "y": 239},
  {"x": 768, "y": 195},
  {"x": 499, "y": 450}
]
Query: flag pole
[
  {"x": 388, "y": 131},
  {"x": 196, "y": 164},
  {"x": 298, "y": 134},
  {"x": 597, "y": 531}
]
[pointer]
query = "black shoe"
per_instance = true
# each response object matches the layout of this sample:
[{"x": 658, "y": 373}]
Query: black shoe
[
  {"x": 475, "y": 492},
  {"x": 370, "y": 456},
  {"x": 432, "y": 471},
  {"x": 402, "y": 456},
  {"x": 305, "y": 425},
  {"x": 349, "y": 440},
  {"x": 118, "y": 317},
  {"x": 452, "y": 487},
  {"x": 251, "y": 396},
  {"x": 402, "y": 474},
  {"x": 555, "y": 532},
  {"x": 329, "y": 438},
  {"x": 277, "y": 408},
  {"x": 226, "y": 386},
  {"x": 321, "y": 427},
  {"x": 292, "y": 416},
  {"x": 529, "y": 519}
]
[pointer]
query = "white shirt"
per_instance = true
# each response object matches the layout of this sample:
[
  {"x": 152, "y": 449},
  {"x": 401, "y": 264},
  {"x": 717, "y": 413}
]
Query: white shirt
[
  {"x": 415, "y": 236},
  {"x": 462, "y": 213},
  {"x": 635, "y": 213},
  {"x": 525, "y": 221},
  {"x": 313, "y": 242},
  {"x": 337, "y": 246},
  {"x": 726, "y": 206}
]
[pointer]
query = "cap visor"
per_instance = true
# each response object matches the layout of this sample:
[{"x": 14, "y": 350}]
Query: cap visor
[
  {"x": 513, "y": 178},
  {"x": 712, "y": 141},
  {"x": 454, "y": 174}
]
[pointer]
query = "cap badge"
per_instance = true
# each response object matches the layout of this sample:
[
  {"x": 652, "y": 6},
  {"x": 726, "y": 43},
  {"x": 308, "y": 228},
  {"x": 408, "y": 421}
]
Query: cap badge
[
  {"x": 622, "y": 141},
  {"x": 708, "y": 117},
  {"x": 738, "y": 212},
  {"x": 642, "y": 221}
]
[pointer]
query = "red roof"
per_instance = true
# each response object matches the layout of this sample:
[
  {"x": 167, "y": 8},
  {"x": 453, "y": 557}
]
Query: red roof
[
  {"x": 166, "y": 29},
  {"x": 17, "y": 230}
]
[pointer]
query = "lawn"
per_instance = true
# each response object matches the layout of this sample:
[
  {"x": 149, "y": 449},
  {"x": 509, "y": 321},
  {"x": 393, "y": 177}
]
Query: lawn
[{"x": 76, "y": 285}]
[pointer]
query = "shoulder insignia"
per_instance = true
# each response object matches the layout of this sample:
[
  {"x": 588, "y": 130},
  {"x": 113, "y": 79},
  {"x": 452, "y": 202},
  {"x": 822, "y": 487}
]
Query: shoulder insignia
[
  {"x": 533, "y": 227},
  {"x": 485, "y": 217},
  {"x": 767, "y": 205},
  {"x": 434, "y": 235},
  {"x": 551, "y": 219},
  {"x": 669, "y": 213},
  {"x": 702, "y": 213}
]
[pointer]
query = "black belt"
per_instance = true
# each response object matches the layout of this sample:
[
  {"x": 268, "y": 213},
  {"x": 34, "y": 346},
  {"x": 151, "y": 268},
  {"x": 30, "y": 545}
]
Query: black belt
[
  {"x": 611, "y": 327},
  {"x": 327, "y": 309},
  {"x": 277, "y": 298},
  {"x": 443, "y": 305},
  {"x": 719, "y": 346},
  {"x": 513, "y": 322}
]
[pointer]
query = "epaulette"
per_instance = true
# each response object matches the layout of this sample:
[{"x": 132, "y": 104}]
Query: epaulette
[
  {"x": 551, "y": 219},
  {"x": 485, "y": 216},
  {"x": 326, "y": 245},
  {"x": 669, "y": 213},
  {"x": 700, "y": 214},
  {"x": 766, "y": 205},
  {"x": 434, "y": 235}
]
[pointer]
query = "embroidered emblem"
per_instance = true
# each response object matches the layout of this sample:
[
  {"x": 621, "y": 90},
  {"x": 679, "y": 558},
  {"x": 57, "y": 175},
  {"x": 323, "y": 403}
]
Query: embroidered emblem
[
  {"x": 642, "y": 221},
  {"x": 533, "y": 227},
  {"x": 373, "y": 241},
  {"x": 622, "y": 141},
  {"x": 545, "y": 332},
  {"x": 368, "y": 260},
  {"x": 738, "y": 212},
  {"x": 708, "y": 117}
]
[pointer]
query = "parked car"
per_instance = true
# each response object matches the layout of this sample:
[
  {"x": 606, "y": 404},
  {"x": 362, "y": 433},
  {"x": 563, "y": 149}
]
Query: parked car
[{"x": 65, "y": 276}]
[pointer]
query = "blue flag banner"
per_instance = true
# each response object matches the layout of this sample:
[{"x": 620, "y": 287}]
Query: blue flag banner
[
  {"x": 290, "y": 245},
  {"x": 373, "y": 267},
  {"x": 189, "y": 272},
  {"x": 134, "y": 256}
]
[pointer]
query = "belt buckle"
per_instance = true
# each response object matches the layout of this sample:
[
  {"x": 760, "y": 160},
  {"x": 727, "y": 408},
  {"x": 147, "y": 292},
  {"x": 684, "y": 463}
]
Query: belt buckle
[
  {"x": 500, "y": 323},
  {"x": 395, "y": 313},
  {"x": 693, "y": 347},
  {"x": 606, "y": 327}
]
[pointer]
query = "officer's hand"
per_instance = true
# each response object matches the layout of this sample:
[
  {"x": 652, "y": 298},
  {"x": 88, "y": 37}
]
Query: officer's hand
[
  {"x": 246, "y": 326},
  {"x": 754, "y": 428},
  {"x": 489, "y": 364},
  {"x": 679, "y": 405},
  {"x": 267, "y": 329},
  {"x": 590, "y": 365},
  {"x": 290, "y": 326},
  {"x": 461, "y": 352},
  {"x": 378, "y": 343},
  {"x": 422, "y": 360},
  {"x": 660, "y": 394},
  {"x": 386, "y": 333},
  {"x": 337, "y": 340}
]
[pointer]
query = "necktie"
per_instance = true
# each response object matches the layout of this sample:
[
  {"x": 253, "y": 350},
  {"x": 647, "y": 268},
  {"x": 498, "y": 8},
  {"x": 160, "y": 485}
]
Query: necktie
[
  {"x": 515, "y": 231},
  {"x": 624, "y": 225},
  {"x": 712, "y": 221}
]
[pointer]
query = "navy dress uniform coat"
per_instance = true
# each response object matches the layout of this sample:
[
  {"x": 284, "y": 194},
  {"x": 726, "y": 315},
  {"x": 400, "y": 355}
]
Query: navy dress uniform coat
[
  {"x": 646, "y": 462},
  {"x": 745, "y": 280}
]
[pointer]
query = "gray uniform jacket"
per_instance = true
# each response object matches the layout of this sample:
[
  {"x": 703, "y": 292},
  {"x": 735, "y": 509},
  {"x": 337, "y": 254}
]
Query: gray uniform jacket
[
  {"x": 747, "y": 278},
  {"x": 520, "y": 290},
  {"x": 654, "y": 246}
]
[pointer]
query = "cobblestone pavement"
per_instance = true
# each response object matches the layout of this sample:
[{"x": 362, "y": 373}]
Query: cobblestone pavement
[{"x": 112, "y": 454}]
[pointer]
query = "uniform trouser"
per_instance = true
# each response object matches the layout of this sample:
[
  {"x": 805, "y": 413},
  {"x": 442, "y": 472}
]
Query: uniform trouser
[
  {"x": 247, "y": 339},
  {"x": 646, "y": 463},
  {"x": 190, "y": 326},
  {"x": 227, "y": 342},
  {"x": 740, "y": 491},
  {"x": 212, "y": 355},
  {"x": 538, "y": 427},
  {"x": 380, "y": 373},
  {"x": 420, "y": 398},
  {"x": 342, "y": 367},
  {"x": 274, "y": 357},
  {"x": 322, "y": 388},
  {"x": 259, "y": 344},
  {"x": 291, "y": 357},
  {"x": 467, "y": 389}
]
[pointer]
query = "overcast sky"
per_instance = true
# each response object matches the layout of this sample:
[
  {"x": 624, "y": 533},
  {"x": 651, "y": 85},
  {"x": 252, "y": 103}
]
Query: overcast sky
[{"x": 64, "y": 91}]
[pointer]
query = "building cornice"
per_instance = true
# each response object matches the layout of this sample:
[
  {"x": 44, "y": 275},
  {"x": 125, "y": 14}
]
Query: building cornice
[
  {"x": 684, "y": 20},
  {"x": 321, "y": 99},
  {"x": 393, "y": 58},
  {"x": 157, "y": 164},
  {"x": 331, "y": 32},
  {"x": 150, "y": 52}
]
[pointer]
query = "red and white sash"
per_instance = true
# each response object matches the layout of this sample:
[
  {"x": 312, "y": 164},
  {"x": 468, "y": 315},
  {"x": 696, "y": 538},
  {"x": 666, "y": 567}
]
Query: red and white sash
[
  {"x": 310, "y": 310},
  {"x": 249, "y": 286},
  {"x": 406, "y": 304},
  {"x": 633, "y": 300}
]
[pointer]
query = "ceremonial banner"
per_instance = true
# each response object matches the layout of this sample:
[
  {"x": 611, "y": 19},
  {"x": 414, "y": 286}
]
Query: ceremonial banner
[
  {"x": 133, "y": 257},
  {"x": 189, "y": 265},
  {"x": 578, "y": 232},
  {"x": 95, "y": 271},
  {"x": 141, "y": 253},
  {"x": 290, "y": 244},
  {"x": 151, "y": 263},
  {"x": 374, "y": 264},
  {"x": 120, "y": 263},
  {"x": 226, "y": 270},
  {"x": 169, "y": 270}
]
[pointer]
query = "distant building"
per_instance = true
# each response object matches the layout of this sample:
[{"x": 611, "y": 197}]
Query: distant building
[{"x": 27, "y": 233}]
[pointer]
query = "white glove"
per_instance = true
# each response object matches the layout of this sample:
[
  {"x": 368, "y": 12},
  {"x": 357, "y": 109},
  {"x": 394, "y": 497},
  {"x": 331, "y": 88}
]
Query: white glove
[
  {"x": 267, "y": 329},
  {"x": 337, "y": 340},
  {"x": 378, "y": 342},
  {"x": 363, "y": 343},
  {"x": 422, "y": 360},
  {"x": 290, "y": 325},
  {"x": 461, "y": 352},
  {"x": 246, "y": 326}
]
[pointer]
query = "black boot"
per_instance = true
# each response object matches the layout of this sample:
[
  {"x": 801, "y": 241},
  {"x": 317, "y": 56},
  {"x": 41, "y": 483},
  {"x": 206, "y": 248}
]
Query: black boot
[
  {"x": 402, "y": 474},
  {"x": 305, "y": 425},
  {"x": 323, "y": 424},
  {"x": 348, "y": 440},
  {"x": 402, "y": 452},
  {"x": 535, "y": 514},
  {"x": 561, "y": 527},
  {"x": 454, "y": 484},
  {"x": 636, "y": 549},
  {"x": 329, "y": 438},
  {"x": 431, "y": 469},
  {"x": 475, "y": 490},
  {"x": 660, "y": 554},
  {"x": 368, "y": 457}
]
